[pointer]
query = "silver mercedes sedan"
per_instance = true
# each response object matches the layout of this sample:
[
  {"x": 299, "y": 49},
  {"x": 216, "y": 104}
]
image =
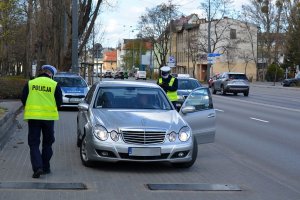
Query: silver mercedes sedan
[{"x": 135, "y": 121}]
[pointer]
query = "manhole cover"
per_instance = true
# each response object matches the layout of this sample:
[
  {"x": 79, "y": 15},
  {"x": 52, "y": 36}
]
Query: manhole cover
[
  {"x": 195, "y": 187},
  {"x": 43, "y": 186}
]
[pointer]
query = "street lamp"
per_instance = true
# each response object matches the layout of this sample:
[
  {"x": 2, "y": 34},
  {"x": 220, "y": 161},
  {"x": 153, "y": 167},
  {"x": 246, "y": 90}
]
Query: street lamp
[
  {"x": 208, "y": 43},
  {"x": 74, "y": 36}
]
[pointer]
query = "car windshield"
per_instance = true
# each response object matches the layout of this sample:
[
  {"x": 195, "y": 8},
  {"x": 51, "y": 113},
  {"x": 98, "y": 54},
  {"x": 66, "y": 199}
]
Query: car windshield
[
  {"x": 70, "y": 81},
  {"x": 132, "y": 98},
  {"x": 187, "y": 84}
]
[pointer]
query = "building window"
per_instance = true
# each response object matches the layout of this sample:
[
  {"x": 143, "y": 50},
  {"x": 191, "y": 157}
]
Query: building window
[{"x": 232, "y": 33}]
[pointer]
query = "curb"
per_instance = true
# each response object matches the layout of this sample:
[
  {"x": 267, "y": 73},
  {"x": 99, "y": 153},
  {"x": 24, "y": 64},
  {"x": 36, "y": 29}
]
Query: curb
[{"x": 8, "y": 121}]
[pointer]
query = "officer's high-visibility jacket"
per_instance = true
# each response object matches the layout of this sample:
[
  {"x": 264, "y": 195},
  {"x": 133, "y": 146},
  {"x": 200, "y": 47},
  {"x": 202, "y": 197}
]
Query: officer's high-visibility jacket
[
  {"x": 171, "y": 94},
  {"x": 40, "y": 103}
]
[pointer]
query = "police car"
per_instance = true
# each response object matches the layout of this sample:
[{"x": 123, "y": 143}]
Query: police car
[{"x": 74, "y": 88}]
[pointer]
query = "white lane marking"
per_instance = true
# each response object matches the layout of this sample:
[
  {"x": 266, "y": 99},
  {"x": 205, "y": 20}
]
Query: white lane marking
[
  {"x": 259, "y": 120},
  {"x": 261, "y": 104},
  {"x": 219, "y": 110}
]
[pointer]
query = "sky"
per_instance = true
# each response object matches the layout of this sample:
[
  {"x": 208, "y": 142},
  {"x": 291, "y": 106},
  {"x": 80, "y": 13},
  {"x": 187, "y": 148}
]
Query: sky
[{"x": 120, "y": 21}]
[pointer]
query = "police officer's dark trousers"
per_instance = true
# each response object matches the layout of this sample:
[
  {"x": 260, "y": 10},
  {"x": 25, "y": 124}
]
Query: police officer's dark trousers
[{"x": 36, "y": 127}]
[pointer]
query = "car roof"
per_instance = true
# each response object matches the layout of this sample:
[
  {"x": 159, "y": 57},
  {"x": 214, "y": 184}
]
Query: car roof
[
  {"x": 183, "y": 75},
  {"x": 127, "y": 84},
  {"x": 186, "y": 78},
  {"x": 234, "y": 73},
  {"x": 66, "y": 74}
]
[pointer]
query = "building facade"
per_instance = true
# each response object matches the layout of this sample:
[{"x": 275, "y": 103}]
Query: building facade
[{"x": 233, "y": 47}]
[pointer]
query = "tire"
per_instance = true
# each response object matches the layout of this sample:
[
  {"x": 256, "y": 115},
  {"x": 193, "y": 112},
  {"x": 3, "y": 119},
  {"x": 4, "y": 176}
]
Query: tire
[
  {"x": 246, "y": 93},
  {"x": 293, "y": 85},
  {"x": 83, "y": 154},
  {"x": 235, "y": 94},
  {"x": 79, "y": 141},
  {"x": 191, "y": 162},
  {"x": 222, "y": 90}
]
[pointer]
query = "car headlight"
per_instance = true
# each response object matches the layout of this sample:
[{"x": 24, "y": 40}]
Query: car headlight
[
  {"x": 114, "y": 136},
  {"x": 172, "y": 137},
  {"x": 184, "y": 134},
  {"x": 101, "y": 133}
]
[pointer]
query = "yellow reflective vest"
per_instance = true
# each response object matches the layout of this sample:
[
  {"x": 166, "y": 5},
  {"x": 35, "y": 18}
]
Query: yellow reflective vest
[
  {"x": 172, "y": 95},
  {"x": 41, "y": 103}
]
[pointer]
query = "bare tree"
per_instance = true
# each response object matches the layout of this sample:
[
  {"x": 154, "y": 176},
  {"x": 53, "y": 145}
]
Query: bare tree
[{"x": 156, "y": 26}]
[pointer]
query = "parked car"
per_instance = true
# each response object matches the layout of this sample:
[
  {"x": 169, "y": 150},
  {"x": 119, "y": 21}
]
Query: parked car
[
  {"x": 140, "y": 75},
  {"x": 292, "y": 82},
  {"x": 126, "y": 75},
  {"x": 108, "y": 74},
  {"x": 185, "y": 87},
  {"x": 119, "y": 75},
  {"x": 115, "y": 123},
  {"x": 231, "y": 82},
  {"x": 212, "y": 79},
  {"x": 74, "y": 88}
]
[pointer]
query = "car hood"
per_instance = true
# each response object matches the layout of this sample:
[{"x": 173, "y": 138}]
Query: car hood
[
  {"x": 184, "y": 92},
  {"x": 289, "y": 79},
  {"x": 116, "y": 119}
]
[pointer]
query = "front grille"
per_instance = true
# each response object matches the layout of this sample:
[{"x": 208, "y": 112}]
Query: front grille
[
  {"x": 74, "y": 96},
  {"x": 141, "y": 136}
]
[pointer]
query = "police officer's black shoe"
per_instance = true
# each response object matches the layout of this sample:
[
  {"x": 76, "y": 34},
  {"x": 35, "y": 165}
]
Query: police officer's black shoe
[
  {"x": 46, "y": 171},
  {"x": 37, "y": 173}
]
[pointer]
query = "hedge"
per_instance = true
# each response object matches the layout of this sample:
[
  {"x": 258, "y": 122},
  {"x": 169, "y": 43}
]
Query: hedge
[{"x": 11, "y": 87}]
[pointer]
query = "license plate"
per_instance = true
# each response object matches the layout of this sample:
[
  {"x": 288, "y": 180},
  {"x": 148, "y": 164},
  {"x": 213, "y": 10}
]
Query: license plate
[
  {"x": 74, "y": 100},
  {"x": 144, "y": 151}
]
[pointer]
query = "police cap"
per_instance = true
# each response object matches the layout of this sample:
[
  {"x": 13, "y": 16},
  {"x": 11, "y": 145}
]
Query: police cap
[
  {"x": 165, "y": 69},
  {"x": 50, "y": 68}
]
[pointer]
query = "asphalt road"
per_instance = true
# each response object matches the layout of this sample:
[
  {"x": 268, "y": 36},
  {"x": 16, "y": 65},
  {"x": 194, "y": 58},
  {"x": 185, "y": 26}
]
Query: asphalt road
[{"x": 256, "y": 149}]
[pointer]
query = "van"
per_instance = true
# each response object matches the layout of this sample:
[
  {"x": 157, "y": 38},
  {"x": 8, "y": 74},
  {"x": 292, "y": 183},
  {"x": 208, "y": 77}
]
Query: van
[{"x": 140, "y": 75}]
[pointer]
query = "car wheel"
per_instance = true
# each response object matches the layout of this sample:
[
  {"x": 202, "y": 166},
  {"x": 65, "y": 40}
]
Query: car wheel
[
  {"x": 191, "y": 162},
  {"x": 235, "y": 94},
  {"x": 213, "y": 89},
  {"x": 246, "y": 93},
  {"x": 222, "y": 90},
  {"x": 293, "y": 84},
  {"x": 83, "y": 153},
  {"x": 79, "y": 141}
]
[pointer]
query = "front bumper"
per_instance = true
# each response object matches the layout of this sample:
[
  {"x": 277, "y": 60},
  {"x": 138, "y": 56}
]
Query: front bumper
[
  {"x": 120, "y": 151},
  {"x": 71, "y": 101}
]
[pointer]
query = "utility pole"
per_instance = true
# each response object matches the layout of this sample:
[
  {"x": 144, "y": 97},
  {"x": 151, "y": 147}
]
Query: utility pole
[
  {"x": 208, "y": 43},
  {"x": 74, "y": 36}
]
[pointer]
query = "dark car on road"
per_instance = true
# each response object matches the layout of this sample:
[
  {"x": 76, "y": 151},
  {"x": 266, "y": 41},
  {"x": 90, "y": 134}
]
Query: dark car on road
[
  {"x": 119, "y": 75},
  {"x": 185, "y": 87},
  {"x": 108, "y": 74},
  {"x": 292, "y": 82},
  {"x": 231, "y": 82}
]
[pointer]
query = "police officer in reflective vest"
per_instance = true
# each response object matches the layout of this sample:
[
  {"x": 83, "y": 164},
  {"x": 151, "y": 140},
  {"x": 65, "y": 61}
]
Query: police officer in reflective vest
[
  {"x": 169, "y": 84},
  {"x": 41, "y": 98}
]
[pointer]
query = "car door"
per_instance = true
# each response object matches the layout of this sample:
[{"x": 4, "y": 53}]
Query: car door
[{"x": 199, "y": 113}]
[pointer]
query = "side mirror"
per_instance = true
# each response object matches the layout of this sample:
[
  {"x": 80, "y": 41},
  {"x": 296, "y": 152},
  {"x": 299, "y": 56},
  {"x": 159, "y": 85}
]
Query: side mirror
[
  {"x": 188, "y": 109},
  {"x": 83, "y": 106}
]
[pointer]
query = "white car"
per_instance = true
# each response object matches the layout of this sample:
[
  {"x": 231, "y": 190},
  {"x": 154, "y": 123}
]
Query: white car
[{"x": 140, "y": 75}]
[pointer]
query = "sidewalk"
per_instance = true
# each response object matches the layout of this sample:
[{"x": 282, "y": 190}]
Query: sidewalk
[{"x": 7, "y": 121}]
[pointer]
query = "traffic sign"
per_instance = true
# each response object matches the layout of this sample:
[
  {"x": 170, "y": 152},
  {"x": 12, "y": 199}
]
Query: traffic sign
[
  {"x": 171, "y": 59},
  {"x": 213, "y": 54}
]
